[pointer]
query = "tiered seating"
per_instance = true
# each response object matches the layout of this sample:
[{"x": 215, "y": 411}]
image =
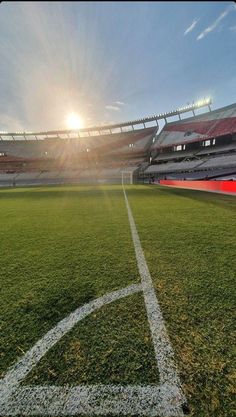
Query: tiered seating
[
  {"x": 99, "y": 145},
  {"x": 104, "y": 157},
  {"x": 200, "y": 164},
  {"x": 134, "y": 148},
  {"x": 74, "y": 159},
  {"x": 193, "y": 135},
  {"x": 69, "y": 174},
  {"x": 198, "y": 175},
  {"x": 174, "y": 166},
  {"x": 173, "y": 155},
  {"x": 27, "y": 176},
  {"x": 209, "y": 125},
  {"x": 220, "y": 162},
  {"x": 7, "y": 179},
  {"x": 230, "y": 177},
  {"x": 218, "y": 149},
  {"x": 48, "y": 175}
]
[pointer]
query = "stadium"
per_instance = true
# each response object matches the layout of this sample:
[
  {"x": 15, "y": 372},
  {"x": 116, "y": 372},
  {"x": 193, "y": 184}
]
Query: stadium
[
  {"x": 118, "y": 261},
  {"x": 97, "y": 172},
  {"x": 195, "y": 148}
]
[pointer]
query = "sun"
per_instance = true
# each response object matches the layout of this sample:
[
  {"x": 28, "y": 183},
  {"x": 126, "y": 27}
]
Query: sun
[{"x": 74, "y": 121}]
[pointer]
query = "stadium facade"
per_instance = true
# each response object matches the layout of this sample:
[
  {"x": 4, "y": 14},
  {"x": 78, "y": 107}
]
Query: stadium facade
[{"x": 197, "y": 147}]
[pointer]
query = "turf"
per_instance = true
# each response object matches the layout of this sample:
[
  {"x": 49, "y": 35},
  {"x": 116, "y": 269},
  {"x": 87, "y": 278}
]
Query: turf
[
  {"x": 64, "y": 246},
  {"x": 111, "y": 346},
  {"x": 189, "y": 240},
  {"x": 61, "y": 247}
]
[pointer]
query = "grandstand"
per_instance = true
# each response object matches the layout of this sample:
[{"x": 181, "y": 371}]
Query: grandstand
[
  {"x": 86, "y": 159},
  {"x": 195, "y": 148},
  {"x": 199, "y": 147}
]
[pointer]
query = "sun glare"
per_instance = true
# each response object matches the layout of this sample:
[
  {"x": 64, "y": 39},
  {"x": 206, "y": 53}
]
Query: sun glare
[{"x": 74, "y": 121}]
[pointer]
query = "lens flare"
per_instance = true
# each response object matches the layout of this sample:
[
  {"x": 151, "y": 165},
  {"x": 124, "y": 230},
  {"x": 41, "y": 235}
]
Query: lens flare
[{"x": 74, "y": 121}]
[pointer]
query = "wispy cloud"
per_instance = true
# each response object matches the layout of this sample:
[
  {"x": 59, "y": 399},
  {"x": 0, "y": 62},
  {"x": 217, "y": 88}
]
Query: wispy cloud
[
  {"x": 232, "y": 28},
  {"x": 115, "y": 108},
  {"x": 120, "y": 103},
  {"x": 191, "y": 27},
  {"x": 214, "y": 25}
]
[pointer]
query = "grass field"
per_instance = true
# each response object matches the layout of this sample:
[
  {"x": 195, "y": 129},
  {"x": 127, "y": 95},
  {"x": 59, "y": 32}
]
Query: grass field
[{"x": 62, "y": 247}]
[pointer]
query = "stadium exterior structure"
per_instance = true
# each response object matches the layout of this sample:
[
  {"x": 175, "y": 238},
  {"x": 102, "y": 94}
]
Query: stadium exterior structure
[{"x": 198, "y": 147}]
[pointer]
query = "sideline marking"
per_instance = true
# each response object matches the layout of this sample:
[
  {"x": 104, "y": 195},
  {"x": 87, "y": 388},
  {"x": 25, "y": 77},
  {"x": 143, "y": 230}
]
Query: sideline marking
[
  {"x": 163, "y": 350},
  {"x": 164, "y": 400},
  {"x": 136, "y": 400}
]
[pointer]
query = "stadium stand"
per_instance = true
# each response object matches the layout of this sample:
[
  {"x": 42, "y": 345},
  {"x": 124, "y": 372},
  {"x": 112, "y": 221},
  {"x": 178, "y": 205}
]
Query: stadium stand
[
  {"x": 198, "y": 147},
  {"x": 87, "y": 159},
  {"x": 204, "y": 127}
]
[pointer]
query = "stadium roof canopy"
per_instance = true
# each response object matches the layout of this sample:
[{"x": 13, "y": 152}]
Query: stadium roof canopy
[{"x": 106, "y": 129}]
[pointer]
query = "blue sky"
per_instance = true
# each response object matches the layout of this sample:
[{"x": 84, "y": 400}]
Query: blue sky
[{"x": 112, "y": 61}]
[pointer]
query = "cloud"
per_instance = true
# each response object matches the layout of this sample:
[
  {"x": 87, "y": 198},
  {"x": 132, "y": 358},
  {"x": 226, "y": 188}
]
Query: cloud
[
  {"x": 191, "y": 27},
  {"x": 233, "y": 28},
  {"x": 120, "y": 103},
  {"x": 115, "y": 108},
  {"x": 216, "y": 22}
]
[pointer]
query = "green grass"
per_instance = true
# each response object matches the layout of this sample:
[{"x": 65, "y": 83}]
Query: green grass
[
  {"x": 64, "y": 246},
  {"x": 60, "y": 248},
  {"x": 111, "y": 346},
  {"x": 189, "y": 240}
]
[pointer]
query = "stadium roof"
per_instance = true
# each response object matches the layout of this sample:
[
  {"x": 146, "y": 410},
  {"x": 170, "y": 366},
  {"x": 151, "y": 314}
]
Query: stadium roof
[{"x": 109, "y": 128}]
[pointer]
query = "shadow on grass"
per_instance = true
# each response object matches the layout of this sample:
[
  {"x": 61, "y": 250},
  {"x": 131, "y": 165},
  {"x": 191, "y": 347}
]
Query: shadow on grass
[
  {"x": 58, "y": 303},
  {"x": 226, "y": 201},
  {"x": 38, "y": 193},
  {"x": 85, "y": 190}
]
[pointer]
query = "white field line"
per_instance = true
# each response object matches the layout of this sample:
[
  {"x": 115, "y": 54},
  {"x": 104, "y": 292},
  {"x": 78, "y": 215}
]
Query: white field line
[
  {"x": 162, "y": 346},
  {"x": 164, "y": 400},
  {"x": 17, "y": 373},
  {"x": 93, "y": 400}
]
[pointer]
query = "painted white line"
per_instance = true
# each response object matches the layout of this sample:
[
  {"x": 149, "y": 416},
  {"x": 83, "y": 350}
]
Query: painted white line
[
  {"x": 162, "y": 346},
  {"x": 20, "y": 370},
  {"x": 164, "y": 400},
  {"x": 94, "y": 400}
]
